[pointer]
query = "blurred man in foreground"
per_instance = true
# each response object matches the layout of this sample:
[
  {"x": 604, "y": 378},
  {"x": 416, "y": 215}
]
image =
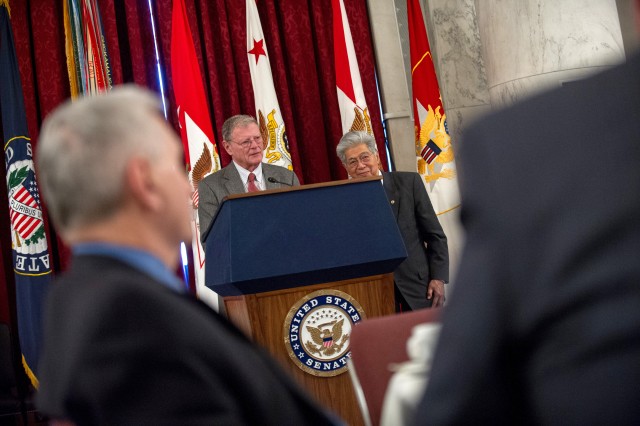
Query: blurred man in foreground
[
  {"x": 123, "y": 344},
  {"x": 543, "y": 326},
  {"x": 420, "y": 279}
]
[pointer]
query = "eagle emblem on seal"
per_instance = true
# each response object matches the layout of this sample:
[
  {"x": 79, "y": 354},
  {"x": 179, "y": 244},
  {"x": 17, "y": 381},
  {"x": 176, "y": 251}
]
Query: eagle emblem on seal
[
  {"x": 317, "y": 330},
  {"x": 328, "y": 338}
]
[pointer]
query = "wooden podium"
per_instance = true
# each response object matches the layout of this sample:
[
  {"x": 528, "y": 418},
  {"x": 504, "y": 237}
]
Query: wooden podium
[{"x": 279, "y": 257}]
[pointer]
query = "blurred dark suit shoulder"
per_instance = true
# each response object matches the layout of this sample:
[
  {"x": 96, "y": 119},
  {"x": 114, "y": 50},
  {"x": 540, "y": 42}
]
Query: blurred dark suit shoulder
[
  {"x": 124, "y": 349},
  {"x": 543, "y": 326}
]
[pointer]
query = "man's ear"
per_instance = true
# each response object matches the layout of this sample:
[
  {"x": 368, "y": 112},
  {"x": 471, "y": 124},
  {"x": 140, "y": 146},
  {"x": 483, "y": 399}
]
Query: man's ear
[
  {"x": 141, "y": 183},
  {"x": 379, "y": 162},
  {"x": 227, "y": 147}
]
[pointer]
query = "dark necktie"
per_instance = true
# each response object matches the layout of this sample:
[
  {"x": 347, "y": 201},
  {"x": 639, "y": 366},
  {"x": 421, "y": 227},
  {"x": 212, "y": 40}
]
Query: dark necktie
[{"x": 251, "y": 183}]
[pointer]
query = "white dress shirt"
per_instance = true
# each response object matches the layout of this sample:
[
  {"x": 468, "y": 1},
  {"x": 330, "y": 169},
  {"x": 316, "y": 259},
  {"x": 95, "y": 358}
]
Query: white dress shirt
[{"x": 244, "y": 176}]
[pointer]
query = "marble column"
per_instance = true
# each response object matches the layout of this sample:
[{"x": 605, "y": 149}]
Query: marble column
[
  {"x": 488, "y": 54},
  {"x": 455, "y": 42},
  {"x": 455, "y": 45},
  {"x": 534, "y": 45},
  {"x": 391, "y": 60}
]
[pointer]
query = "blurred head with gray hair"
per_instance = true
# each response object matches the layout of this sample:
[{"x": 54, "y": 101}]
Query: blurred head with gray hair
[{"x": 110, "y": 162}]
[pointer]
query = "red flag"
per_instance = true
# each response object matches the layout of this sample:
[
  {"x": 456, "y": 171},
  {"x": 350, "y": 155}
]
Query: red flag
[
  {"x": 354, "y": 113},
  {"x": 187, "y": 79},
  {"x": 426, "y": 92},
  {"x": 196, "y": 131},
  {"x": 433, "y": 144},
  {"x": 96, "y": 51},
  {"x": 434, "y": 152}
]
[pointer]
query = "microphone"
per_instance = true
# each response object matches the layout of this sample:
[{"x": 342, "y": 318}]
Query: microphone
[{"x": 274, "y": 180}]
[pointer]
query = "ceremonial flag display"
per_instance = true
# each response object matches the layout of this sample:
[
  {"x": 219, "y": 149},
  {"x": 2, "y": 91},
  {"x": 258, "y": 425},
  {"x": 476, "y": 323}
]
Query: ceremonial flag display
[
  {"x": 353, "y": 106},
  {"x": 268, "y": 111},
  {"x": 87, "y": 58},
  {"x": 28, "y": 240},
  {"x": 196, "y": 131},
  {"x": 435, "y": 156}
]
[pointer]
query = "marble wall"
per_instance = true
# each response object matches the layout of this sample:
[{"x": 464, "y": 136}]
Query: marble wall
[
  {"x": 534, "y": 45},
  {"x": 491, "y": 53},
  {"x": 455, "y": 41},
  {"x": 455, "y": 44},
  {"x": 390, "y": 42}
]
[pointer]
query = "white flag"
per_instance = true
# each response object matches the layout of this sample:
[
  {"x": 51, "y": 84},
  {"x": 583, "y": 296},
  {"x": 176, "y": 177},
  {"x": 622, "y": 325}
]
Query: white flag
[{"x": 268, "y": 112}]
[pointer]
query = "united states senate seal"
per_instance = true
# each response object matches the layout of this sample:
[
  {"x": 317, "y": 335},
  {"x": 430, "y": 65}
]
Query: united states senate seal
[{"x": 317, "y": 330}]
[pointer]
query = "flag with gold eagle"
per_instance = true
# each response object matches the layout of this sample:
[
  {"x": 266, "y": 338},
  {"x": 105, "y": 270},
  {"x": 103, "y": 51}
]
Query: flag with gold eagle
[
  {"x": 268, "y": 113},
  {"x": 434, "y": 152},
  {"x": 196, "y": 131},
  {"x": 31, "y": 263},
  {"x": 87, "y": 58},
  {"x": 354, "y": 113}
]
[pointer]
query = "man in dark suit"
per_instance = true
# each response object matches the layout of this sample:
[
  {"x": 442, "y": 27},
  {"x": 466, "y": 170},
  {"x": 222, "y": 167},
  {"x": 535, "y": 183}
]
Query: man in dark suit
[
  {"x": 544, "y": 323},
  {"x": 244, "y": 143},
  {"x": 420, "y": 279},
  {"x": 124, "y": 344}
]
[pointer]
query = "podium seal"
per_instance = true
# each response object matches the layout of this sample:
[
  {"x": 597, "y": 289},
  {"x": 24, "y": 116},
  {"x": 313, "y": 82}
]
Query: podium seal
[{"x": 317, "y": 329}]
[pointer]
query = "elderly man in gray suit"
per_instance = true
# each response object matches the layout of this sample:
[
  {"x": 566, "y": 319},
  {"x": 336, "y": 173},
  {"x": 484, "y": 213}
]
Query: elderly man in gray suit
[{"x": 246, "y": 173}]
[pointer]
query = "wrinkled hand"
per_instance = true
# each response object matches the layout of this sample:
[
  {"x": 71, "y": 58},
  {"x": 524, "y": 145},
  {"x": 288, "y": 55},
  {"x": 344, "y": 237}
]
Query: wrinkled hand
[{"x": 435, "y": 292}]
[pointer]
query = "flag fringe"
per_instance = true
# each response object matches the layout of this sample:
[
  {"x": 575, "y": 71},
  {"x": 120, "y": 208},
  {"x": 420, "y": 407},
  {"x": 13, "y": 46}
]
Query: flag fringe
[
  {"x": 32, "y": 377},
  {"x": 420, "y": 61},
  {"x": 448, "y": 210},
  {"x": 71, "y": 60}
]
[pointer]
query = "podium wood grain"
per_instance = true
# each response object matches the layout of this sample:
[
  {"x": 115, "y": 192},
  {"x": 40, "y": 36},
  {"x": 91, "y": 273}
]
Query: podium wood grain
[{"x": 261, "y": 316}]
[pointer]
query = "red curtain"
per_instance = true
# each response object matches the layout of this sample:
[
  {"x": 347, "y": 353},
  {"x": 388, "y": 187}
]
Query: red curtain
[
  {"x": 300, "y": 42},
  {"x": 38, "y": 31}
]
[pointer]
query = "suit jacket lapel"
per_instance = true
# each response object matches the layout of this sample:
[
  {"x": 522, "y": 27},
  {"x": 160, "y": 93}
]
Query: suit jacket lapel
[
  {"x": 233, "y": 183},
  {"x": 389, "y": 184},
  {"x": 266, "y": 174}
]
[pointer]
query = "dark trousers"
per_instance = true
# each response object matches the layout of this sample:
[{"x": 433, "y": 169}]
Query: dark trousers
[{"x": 401, "y": 303}]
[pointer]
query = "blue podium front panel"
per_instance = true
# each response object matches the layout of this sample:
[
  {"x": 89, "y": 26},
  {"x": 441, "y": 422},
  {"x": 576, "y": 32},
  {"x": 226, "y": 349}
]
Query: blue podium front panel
[{"x": 300, "y": 237}]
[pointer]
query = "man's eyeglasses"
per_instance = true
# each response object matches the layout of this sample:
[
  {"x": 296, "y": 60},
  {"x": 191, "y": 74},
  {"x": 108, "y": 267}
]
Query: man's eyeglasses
[
  {"x": 366, "y": 158},
  {"x": 246, "y": 144}
]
